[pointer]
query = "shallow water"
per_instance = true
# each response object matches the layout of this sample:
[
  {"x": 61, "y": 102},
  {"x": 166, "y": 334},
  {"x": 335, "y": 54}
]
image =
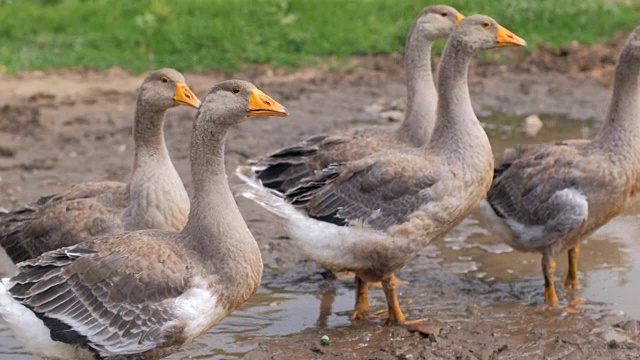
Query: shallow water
[{"x": 298, "y": 299}]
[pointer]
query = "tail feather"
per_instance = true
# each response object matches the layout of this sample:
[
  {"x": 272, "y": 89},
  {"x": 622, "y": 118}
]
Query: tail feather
[
  {"x": 271, "y": 200},
  {"x": 280, "y": 176}
]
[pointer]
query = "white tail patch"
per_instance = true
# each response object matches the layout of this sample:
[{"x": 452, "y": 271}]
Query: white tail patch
[
  {"x": 198, "y": 308},
  {"x": 31, "y": 332},
  {"x": 342, "y": 247},
  {"x": 269, "y": 199}
]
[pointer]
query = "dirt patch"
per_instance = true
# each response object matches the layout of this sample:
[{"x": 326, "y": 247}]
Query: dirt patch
[{"x": 58, "y": 128}]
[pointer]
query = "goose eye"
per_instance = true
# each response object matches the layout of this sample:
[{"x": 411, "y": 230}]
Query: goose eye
[
  {"x": 486, "y": 24},
  {"x": 164, "y": 79},
  {"x": 444, "y": 14},
  {"x": 235, "y": 90}
]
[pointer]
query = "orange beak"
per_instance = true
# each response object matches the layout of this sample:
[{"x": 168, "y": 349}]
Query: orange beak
[
  {"x": 507, "y": 38},
  {"x": 261, "y": 104},
  {"x": 184, "y": 96},
  {"x": 459, "y": 18}
]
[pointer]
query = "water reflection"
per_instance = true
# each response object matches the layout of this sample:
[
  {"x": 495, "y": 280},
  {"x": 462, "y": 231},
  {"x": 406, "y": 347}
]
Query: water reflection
[{"x": 468, "y": 258}]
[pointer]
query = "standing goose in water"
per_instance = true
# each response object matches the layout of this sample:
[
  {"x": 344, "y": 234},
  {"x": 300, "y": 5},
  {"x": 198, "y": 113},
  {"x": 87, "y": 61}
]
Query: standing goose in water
[
  {"x": 154, "y": 198},
  {"x": 371, "y": 216},
  {"x": 546, "y": 198},
  {"x": 285, "y": 168},
  {"x": 143, "y": 294}
]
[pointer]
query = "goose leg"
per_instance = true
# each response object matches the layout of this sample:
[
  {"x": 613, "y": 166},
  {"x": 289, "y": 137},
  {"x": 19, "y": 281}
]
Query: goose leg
[
  {"x": 396, "y": 317},
  {"x": 362, "y": 300},
  {"x": 572, "y": 275},
  {"x": 397, "y": 281},
  {"x": 395, "y": 313},
  {"x": 549, "y": 270}
]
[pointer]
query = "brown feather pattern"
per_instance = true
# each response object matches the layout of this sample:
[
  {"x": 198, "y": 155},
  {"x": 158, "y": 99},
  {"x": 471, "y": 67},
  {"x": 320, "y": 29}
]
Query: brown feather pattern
[
  {"x": 100, "y": 296},
  {"x": 60, "y": 220},
  {"x": 379, "y": 192}
]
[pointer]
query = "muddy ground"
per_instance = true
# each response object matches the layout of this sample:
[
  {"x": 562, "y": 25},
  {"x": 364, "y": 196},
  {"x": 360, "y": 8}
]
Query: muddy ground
[{"x": 62, "y": 127}]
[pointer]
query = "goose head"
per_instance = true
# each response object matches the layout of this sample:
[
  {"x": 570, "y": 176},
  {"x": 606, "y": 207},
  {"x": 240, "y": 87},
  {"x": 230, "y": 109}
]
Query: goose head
[
  {"x": 479, "y": 32},
  {"x": 436, "y": 22},
  {"x": 166, "y": 88},
  {"x": 233, "y": 101}
]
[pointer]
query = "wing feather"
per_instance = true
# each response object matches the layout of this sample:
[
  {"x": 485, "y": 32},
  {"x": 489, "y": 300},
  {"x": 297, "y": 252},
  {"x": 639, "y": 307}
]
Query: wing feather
[
  {"x": 540, "y": 192},
  {"x": 97, "y": 299},
  {"x": 287, "y": 168},
  {"x": 371, "y": 192},
  {"x": 60, "y": 220}
]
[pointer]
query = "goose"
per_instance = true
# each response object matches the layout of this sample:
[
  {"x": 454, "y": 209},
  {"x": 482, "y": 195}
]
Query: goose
[
  {"x": 143, "y": 294},
  {"x": 154, "y": 198},
  {"x": 546, "y": 198},
  {"x": 284, "y": 169},
  {"x": 372, "y": 215}
]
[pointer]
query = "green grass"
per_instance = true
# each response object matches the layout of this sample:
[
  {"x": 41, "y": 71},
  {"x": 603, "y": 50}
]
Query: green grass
[{"x": 198, "y": 35}]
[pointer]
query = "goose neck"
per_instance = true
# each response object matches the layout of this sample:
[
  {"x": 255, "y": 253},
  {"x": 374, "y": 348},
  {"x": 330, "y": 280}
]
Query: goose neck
[
  {"x": 456, "y": 122},
  {"x": 622, "y": 126},
  {"x": 421, "y": 92},
  {"x": 216, "y": 231},
  {"x": 148, "y": 134}
]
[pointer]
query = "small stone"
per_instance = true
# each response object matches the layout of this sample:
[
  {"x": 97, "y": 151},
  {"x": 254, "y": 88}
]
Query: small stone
[
  {"x": 614, "y": 336},
  {"x": 7, "y": 152},
  {"x": 325, "y": 341},
  {"x": 392, "y": 115},
  {"x": 374, "y": 108},
  {"x": 629, "y": 326},
  {"x": 532, "y": 125}
]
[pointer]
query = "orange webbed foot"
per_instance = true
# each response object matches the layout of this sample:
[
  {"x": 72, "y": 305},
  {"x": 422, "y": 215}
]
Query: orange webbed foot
[
  {"x": 360, "y": 314},
  {"x": 573, "y": 307}
]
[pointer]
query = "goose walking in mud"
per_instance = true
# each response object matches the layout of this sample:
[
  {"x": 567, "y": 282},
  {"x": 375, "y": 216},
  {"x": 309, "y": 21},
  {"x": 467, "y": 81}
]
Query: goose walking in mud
[
  {"x": 546, "y": 198},
  {"x": 372, "y": 215}
]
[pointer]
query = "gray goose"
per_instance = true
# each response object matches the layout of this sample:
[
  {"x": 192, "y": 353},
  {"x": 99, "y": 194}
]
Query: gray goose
[
  {"x": 545, "y": 198},
  {"x": 142, "y": 294},
  {"x": 372, "y": 215},
  {"x": 154, "y": 198},
  {"x": 285, "y": 168}
]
